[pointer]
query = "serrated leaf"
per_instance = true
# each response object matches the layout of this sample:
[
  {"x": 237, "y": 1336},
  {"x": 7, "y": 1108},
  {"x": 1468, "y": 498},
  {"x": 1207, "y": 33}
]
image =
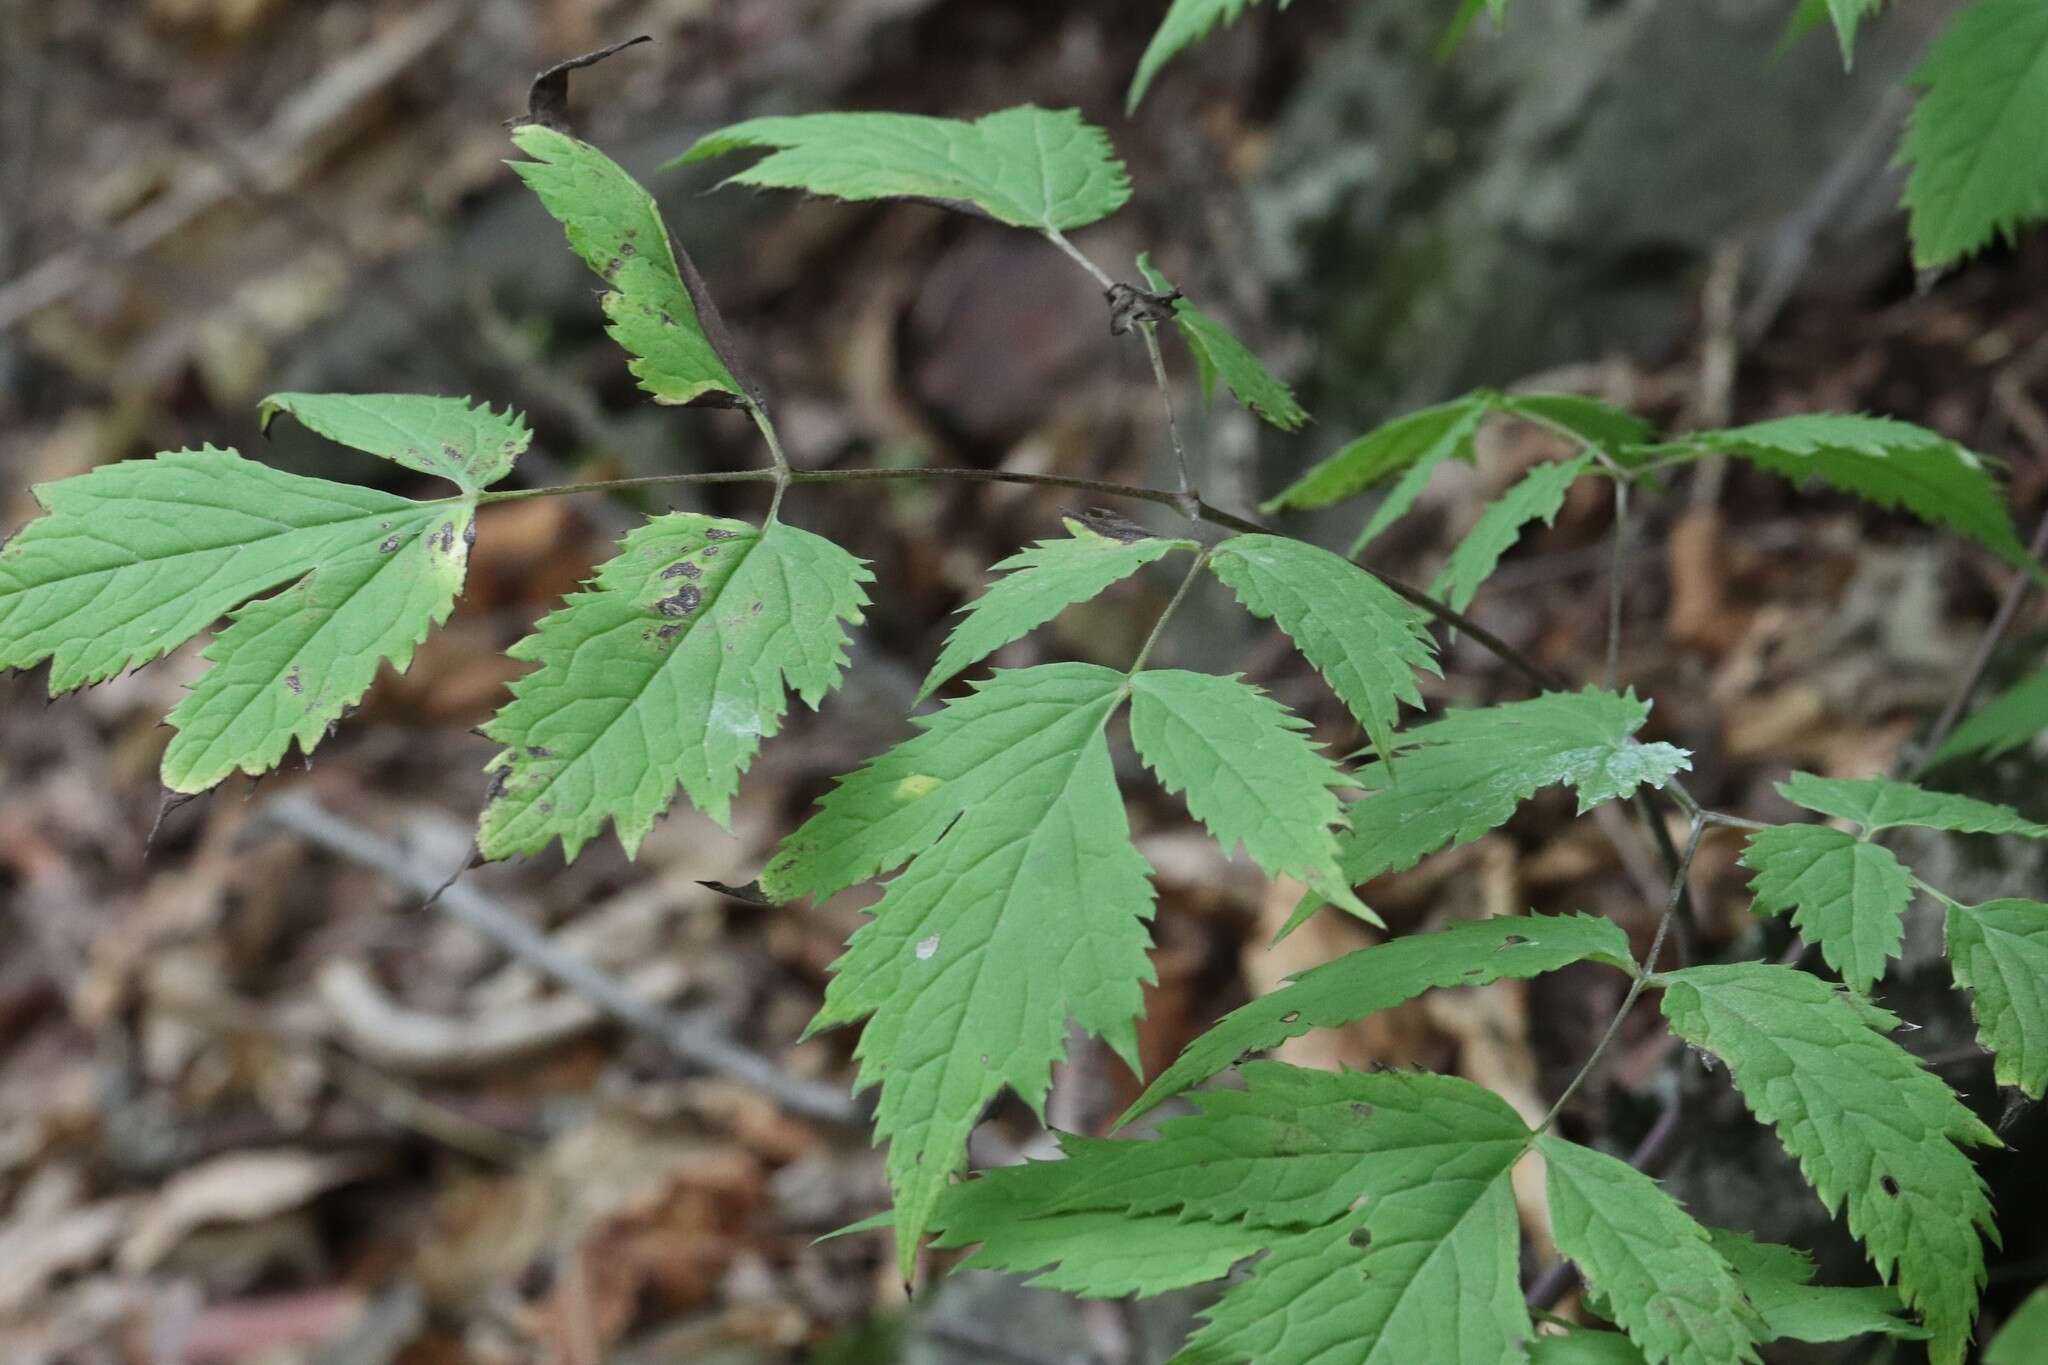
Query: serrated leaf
[
  {"x": 1028, "y": 909},
  {"x": 1869, "y": 1126},
  {"x": 1098, "y": 1253},
  {"x": 2004, "y": 723},
  {"x": 1041, "y": 582},
  {"x": 669, "y": 672},
  {"x": 1602, "y": 426},
  {"x": 1186, "y": 23},
  {"x": 1538, "y": 496},
  {"x": 1365, "y": 641},
  {"x": 470, "y": 446},
  {"x": 1218, "y": 354},
  {"x": 198, "y": 533},
  {"x": 1776, "y": 1281},
  {"x": 1887, "y": 462},
  {"x": 1655, "y": 1266},
  {"x": 1584, "y": 1346},
  {"x": 657, "y": 308},
  {"x": 292, "y": 664},
  {"x": 1248, "y": 772},
  {"x": 1999, "y": 952},
  {"x": 1362, "y": 983},
  {"x": 1846, "y": 895},
  {"x": 2019, "y": 1341},
  {"x": 1047, "y": 169},
  {"x": 1472, "y": 768},
  {"x": 1880, "y": 803},
  {"x": 1416, "y": 443},
  {"x": 1848, "y": 17},
  {"x": 1979, "y": 162}
]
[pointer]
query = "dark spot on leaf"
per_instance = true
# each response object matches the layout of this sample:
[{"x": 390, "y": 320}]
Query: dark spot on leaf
[
  {"x": 1475, "y": 971},
  {"x": 1513, "y": 941},
  {"x": 667, "y": 633},
  {"x": 545, "y": 807},
  {"x": 682, "y": 568},
  {"x": 1103, "y": 522},
  {"x": 755, "y": 609},
  {"x": 720, "y": 533},
  {"x": 1360, "y": 1109},
  {"x": 538, "y": 751},
  {"x": 452, "y": 451},
  {"x": 1360, "y": 1238},
  {"x": 666, "y": 320},
  {"x": 709, "y": 552},
  {"x": 469, "y": 534},
  {"x": 685, "y": 600},
  {"x": 611, "y": 267},
  {"x": 391, "y": 542},
  {"x": 294, "y": 682},
  {"x": 447, "y": 534},
  {"x": 547, "y": 102},
  {"x": 1291, "y": 1017},
  {"x": 500, "y": 780},
  {"x": 1889, "y": 1186},
  {"x": 628, "y": 249}
]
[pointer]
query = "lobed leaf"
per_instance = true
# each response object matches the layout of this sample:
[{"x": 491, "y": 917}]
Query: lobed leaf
[
  {"x": 1999, "y": 952},
  {"x": 1041, "y": 582},
  {"x": 1470, "y": 953},
  {"x": 1979, "y": 165},
  {"x": 1218, "y": 354},
  {"x": 1047, "y": 169},
  {"x": 657, "y": 308},
  {"x": 669, "y": 672},
  {"x": 1364, "y": 640},
  {"x": 1186, "y": 23},
  {"x": 1847, "y": 895},
  {"x": 470, "y": 446},
  {"x": 2005, "y": 722},
  {"x": 1537, "y": 497},
  {"x": 1880, "y": 803},
  {"x": 1869, "y": 1126}
]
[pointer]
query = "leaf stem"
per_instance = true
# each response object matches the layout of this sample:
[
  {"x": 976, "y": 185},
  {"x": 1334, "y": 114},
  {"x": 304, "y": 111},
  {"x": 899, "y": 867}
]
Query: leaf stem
[
  {"x": 766, "y": 426},
  {"x": 1617, "y": 581},
  {"x": 1150, "y": 331},
  {"x": 1173, "y": 604},
  {"x": 1074, "y": 253}
]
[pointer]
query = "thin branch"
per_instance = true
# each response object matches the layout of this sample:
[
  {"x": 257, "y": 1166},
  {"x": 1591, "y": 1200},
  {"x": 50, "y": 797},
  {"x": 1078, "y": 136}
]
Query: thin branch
[
  {"x": 766, "y": 427},
  {"x": 1617, "y": 582},
  {"x": 694, "y": 1036},
  {"x": 2001, "y": 622},
  {"x": 1074, "y": 254},
  {"x": 1172, "y": 605},
  {"x": 1150, "y": 331}
]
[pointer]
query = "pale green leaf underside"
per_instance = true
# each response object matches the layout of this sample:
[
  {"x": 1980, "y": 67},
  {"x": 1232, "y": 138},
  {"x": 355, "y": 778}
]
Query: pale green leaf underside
[
  {"x": 2019, "y": 1341},
  {"x": 1999, "y": 951},
  {"x": 655, "y": 309},
  {"x": 1365, "y": 641},
  {"x": 1417, "y": 440},
  {"x": 669, "y": 672},
  {"x": 470, "y": 446},
  {"x": 2005, "y": 722},
  {"x": 1105, "y": 1254},
  {"x": 134, "y": 559},
  {"x": 1848, "y": 896},
  {"x": 1890, "y": 463},
  {"x": 1537, "y": 497},
  {"x": 1047, "y": 169},
  {"x": 1650, "y": 1260},
  {"x": 1028, "y": 910},
  {"x": 1879, "y": 803},
  {"x": 1040, "y": 583},
  {"x": 1867, "y": 1123},
  {"x": 1248, "y": 772},
  {"x": 1358, "y": 984},
  {"x": 1777, "y": 1282},
  {"x": 1186, "y": 23},
  {"x": 1979, "y": 162},
  {"x": 1219, "y": 355}
]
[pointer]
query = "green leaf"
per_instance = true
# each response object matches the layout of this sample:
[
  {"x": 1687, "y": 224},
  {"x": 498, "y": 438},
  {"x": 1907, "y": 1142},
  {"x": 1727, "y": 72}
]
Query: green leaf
[
  {"x": 1047, "y": 169},
  {"x": 1187, "y": 23},
  {"x": 1416, "y": 443},
  {"x": 1848, "y": 896},
  {"x": 1537, "y": 497},
  {"x": 1094, "y": 1253},
  {"x": 1219, "y": 354},
  {"x": 657, "y": 306},
  {"x": 291, "y": 665},
  {"x": 1880, "y": 803},
  {"x": 1777, "y": 1282},
  {"x": 199, "y": 532},
  {"x": 471, "y": 447},
  {"x": 1248, "y": 770},
  {"x": 1027, "y": 909},
  {"x": 2019, "y": 1341},
  {"x": 1849, "y": 16},
  {"x": 2000, "y": 954},
  {"x": 1364, "y": 640},
  {"x": 1602, "y": 426},
  {"x": 1890, "y": 463},
  {"x": 1658, "y": 1271},
  {"x": 670, "y": 671},
  {"x": 1470, "y": 953},
  {"x": 1979, "y": 162},
  {"x": 2005, "y": 722},
  {"x": 1042, "y": 582},
  {"x": 1867, "y": 1123},
  {"x": 1584, "y": 1346}
]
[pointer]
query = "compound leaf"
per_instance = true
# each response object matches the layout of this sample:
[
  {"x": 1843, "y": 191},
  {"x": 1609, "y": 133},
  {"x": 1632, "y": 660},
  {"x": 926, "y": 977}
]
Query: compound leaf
[
  {"x": 470, "y": 446},
  {"x": 1879, "y": 803},
  {"x": 1979, "y": 162},
  {"x": 1471, "y": 953},
  {"x": 1364, "y": 640},
  {"x": 1187, "y": 23},
  {"x": 657, "y": 307},
  {"x": 1416, "y": 443},
  {"x": 1248, "y": 771},
  {"x": 1777, "y": 1282},
  {"x": 1867, "y": 1123},
  {"x": 1040, "y": 583},
  {"x": 1847, "y": 895},
  {"x": 1887, "y": 462},
  {"x": 1218, "y": 354},
  {"x": 1537, "y": 497},
  {"x": 2000, "y": 954},
  {"x": 1047, "y": 169},
  {"x": 670, "y": 671},
  {"x": 2005, "y": 722},
  {"x": 1653, "y": 1264},
  {"x": 1027, "y": 909}
]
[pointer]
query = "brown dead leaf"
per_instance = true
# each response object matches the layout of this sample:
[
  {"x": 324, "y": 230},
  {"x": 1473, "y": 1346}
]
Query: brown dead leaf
[{"x": 241, "y": 1187}]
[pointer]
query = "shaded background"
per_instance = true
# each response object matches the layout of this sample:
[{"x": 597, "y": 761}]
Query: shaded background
[{"x": 256, "y": 1106}]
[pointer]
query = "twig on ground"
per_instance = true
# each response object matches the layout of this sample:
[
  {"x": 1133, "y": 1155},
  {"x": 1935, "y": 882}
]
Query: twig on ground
[{"x": 2001, "y": 622}]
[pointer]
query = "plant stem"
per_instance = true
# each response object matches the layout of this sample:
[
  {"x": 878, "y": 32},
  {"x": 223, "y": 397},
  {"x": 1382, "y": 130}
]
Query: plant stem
[
  {"x": 1150, "y": 331},
  {"x": 2001, "y": 622},
  {"x": 766, "y": 427},
  {"x": 1644, "y": 971},
  {"x": 1058, "y": 239},
  {"x": 1617, "y": 581},
  {"x": 1173, "y": 604}
]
